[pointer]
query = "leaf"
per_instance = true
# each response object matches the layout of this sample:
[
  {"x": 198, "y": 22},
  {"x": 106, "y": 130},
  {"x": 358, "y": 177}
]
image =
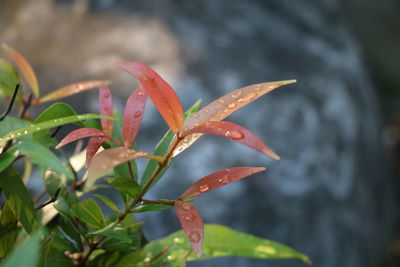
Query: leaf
[
  {"x": 26, "y": 255},
  {"x": 79, "y": 134},
  {"x": 133, "y": 115},
  {"x": 225, "y": 106},
  {"x": 53, "y": 182},
  {"x": 234, "y": 132},
  {"x": 219, "y": 178},
  {"x": 90, "y": 213},
  {"x": 65, "y": 201},
  {"x": 42, "y": 156},
  {"x": 92, "y": 147},
  {"x": 108, "y": 202},
  {"x": 8, "y": 229},
  {"x": 19, "y": 199},
  {"x": 8, "y": 79},
  {"x": 110, "y": 158},
  {"x": 10, "y": 124},
  {"x": 192, "y": 110},
  {"x": 67, "y": 238},
  {"x": 70, "y": 90},
  {"x": 125, "y": 185},
  {"x": 7, "y": 158},
  {"x": 192, "y": 224},
  {"x": 146, "y": 206},
  {"x": 160, "y": 92},
  {"x": 106, "y": 108},
  {"x": 21, "y": 132},
  {"x": 113, "y": 230},
  {"x": 25, "y": 68}
]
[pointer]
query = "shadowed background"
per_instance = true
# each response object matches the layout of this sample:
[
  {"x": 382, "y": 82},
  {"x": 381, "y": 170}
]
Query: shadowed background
[{"x": 333, "y": 195}]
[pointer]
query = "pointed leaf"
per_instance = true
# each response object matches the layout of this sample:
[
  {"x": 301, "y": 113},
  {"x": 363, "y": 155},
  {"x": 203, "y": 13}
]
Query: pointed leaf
[
  {"x": 218, "y": 179},
  {"x": 79, "y": 134},
  {"x": 234, "y": 132},
  {"x": 192, "y": 224},
  {"x": 46, "y": 125},
  {"x": 92, "y": 147},
  {"x": 70, "y": 90},
  {"x": 125, "y": 185},
  {"x": 133, "y": 115},
  {"x": 8, "y": 229},
  {"x": 113, "y": 230},
  {"x": 108, "y": 202},
  {"x": 109, "y": 158},
  {"x": 8, "y": 79},
  {"x": 160, "y": 92},
  {"x": 106, "y": 108},
  {"x": 7, "y": 158},
  {"x": 225, "y": 106},
  {"x": 90, "y": 213},
  {"x": 25, "y": 68},
  {"x": 146, "y": 206},
  {"x": 25, "y": 255}
]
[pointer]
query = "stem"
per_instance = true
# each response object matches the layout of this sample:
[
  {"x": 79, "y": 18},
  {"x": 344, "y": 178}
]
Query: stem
[
  {"x": 27, "y": 104},
  {"x": 130, "y": 170},
  {"x": 8, "y": 110},
  {"x": 171, "y": 202}
]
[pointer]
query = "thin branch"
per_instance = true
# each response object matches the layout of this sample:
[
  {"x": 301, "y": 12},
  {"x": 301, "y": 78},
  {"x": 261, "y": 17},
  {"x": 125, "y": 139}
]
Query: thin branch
[
  {"x": 53, "y": 199},
  {"x": 27, "y": 104},
  {"x": 55, "y": 131},
  {"x": 8, "y": 110}
]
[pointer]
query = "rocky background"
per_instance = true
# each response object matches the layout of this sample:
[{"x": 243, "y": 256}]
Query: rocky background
[{"x": 334, "y": 194}]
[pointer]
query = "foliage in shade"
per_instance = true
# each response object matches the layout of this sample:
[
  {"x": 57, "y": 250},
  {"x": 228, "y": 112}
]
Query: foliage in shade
[{"x": 26, "y": 255}]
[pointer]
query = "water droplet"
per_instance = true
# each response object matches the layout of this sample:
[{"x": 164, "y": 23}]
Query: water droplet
[
  {"x": 12, "y": 136},
  {"x": 235, "y": 135},
  {"x": 196, "y": 115},
  {"x": 194, "y": 236},
  {"x": 80, "y": 86},
  {"x": 232, "y": 105},
  {"x": 186, "y": 207},
  {"x": 258, "y": 89},
  {"x": 178, "y": 240},
  {"x": 107, "y": 95},
  {"x": 206, "y": 110},
  {"x": 221, "y": 101},
  {"x": 141, "y": 93},
  {"x": 226, "y": 110},
  {"x": 25, "y": 132},
  {"x": 236, "y": 95},
  {"x": 38, "y": 128},
  {"x": 73, "y": 136},
  {"x": 248, "y": 97},
  {"x": 137, "y": 114},
  {"x": 204, "y": 188},
  {"x": 224, "y": 180},
  {"x": 188, "y": 217},
  {"x": 19, "y": 134},
  {"x": 272, "y": 86},
  {"x": 147, "y": 260}
]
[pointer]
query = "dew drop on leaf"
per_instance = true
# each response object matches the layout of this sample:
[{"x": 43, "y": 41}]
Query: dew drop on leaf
[
  {"x": 248, "y": 97},
  {"x": 235, "y": 135},
  {"x": 194, "y": 236},
  {"x": 231, "y": 105},
  {"x": 204, "y": 188},
  {"x": 236, "y": 95},
  {"x": 188, "y": 217},
  {"x": 186, "y": 207},
  {"x": 137, "y": 114}
]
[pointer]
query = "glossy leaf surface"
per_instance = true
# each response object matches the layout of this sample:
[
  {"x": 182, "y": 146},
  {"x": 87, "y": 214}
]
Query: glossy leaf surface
[
  {"x": 133, "y": 115},
  {"x": 79, "y": 134},
  {"x": 25, "y": 68},
  {"x": 192, "y": 224},
  {"x": 234, "y": 132},
  {"x": 225, "y": 106},
  {"x": 90, "y": 213},
  {"x": 219, "y": 178},
  {"x": 106, "y": 108},
  {"x": 70, "y": 90},
  {"x": 160, "y": 92},
  {"x": 113, "y": 230}
]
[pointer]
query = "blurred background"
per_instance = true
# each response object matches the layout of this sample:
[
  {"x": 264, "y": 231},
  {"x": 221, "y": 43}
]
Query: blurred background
[{"x": 334, "y": 195}]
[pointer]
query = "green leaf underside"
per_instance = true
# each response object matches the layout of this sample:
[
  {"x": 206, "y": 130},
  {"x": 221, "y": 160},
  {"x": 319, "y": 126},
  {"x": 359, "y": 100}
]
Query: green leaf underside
[
  {"x": 218, "y": 241},
  {"x": 90, "y": 213},
  {"x": 25, "y": 255}
]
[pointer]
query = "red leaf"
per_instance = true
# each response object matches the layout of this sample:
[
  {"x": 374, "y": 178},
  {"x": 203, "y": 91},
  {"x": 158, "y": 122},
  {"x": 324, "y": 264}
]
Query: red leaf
[
  {"x": 192, "y": 224},
  {"x": 218, "y": 179},
  {"x": 133, "y": 115},
  {"x": 92, "y": 147},
  {"x": 107, "y": 159},
  {"x": 79, "y": 134},
  {"x": 225, "y": 106},
  {"x": 234, "y": 132},
  {"x": 106, "y": 108},
  {"x": 160, "y": 92}
]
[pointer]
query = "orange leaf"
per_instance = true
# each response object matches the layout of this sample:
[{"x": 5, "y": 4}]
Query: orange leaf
[
  {"x": 133, "y": 115},
  {"x": 225, "y": 106},
  {"x": 192, "y": 224},
  {"x": 106, "y": 108},
  {"x": 234, "y": 132},
  {"x": 70, "y": 90},
  {"x": 92, "y": 147},
  {"x": 25, "y": 68},
  {"x": 160, "y": 92},
  {"x": 107, "y": 159},
  {"x": 79, "y": 134},
  {"x": 218, "y": 179}
]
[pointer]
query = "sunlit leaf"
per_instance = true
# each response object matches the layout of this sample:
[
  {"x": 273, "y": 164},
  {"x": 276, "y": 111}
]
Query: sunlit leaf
[
  {"x": 90, "y": 213},
  {"x": 192, "y": 224},
  {"x": 133, "y": 115},
  {"x": 218, "y": 179},
  {"x": 25, "y": 68},
  {"x": 79, "y": 134},
  {"x": 106, "y": 108},
  {"x": 92, "y": 147},
  {"x": 234, "y": 132},
  {"x": 25, "y": 255},
  {"x": 8, "y": 79},
  {"x": 46, "y": 125},
  {"x": 70, "y": 90},
  {"x": 160, "y": 92},
  {"x": 225, "y": 106},
  {"x": 18, "y": 197},
  {"x": 107, "y": 159}
]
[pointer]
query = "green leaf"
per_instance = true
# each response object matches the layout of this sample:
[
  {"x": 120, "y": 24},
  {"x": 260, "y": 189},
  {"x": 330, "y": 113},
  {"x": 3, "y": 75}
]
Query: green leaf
[
  {"x": 8, "y": 229},
  {"x": 10, "y": 124},
  {"x": 19, "y": 199},
  {"x": 52, "y": 256},
  {"x": 218, "y": 241},
  {"x": 8, "y": 79},
  {"x": 108, "y": 202},
  {"x": 193, "y": 109},
  {"x": 25, "y": 255},
  {"x": 134, "y": 234},
  {"x": 125, "y": 185},
  {"x": 43, "y": 157},
  {"x": 21, "y": 132},
  {"x": 90, "y": 213},
  {"x": 53, "y": 181},
  {"x": 66, "y": 199},
  {"x": 7, "y": 158},
  {"x": 113, "y": 230},
  {"x": 67, "y": 237},
  {"x": 146, "y": 206}
]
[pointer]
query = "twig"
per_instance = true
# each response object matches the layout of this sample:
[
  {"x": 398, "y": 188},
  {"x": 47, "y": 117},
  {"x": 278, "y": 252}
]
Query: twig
[
  {"x": 53, "y": 199},
  {"x": 27, "y": 104},
  {"x": 8, "y": 110}
]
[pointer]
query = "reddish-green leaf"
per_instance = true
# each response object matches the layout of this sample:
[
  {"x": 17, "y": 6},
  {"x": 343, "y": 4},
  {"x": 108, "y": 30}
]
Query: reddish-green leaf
[
  {"x": 93, "y": 146},
  {"x": 133, "y": 115},
  {"x": 70, "y": 90},
  {"x": 160, "y": 92},
  {"x": 25, "y": 68},
  {"x": 225, "y": 106},
  {"x": 218, "y": 179},
  {"x": 192, "y": 224},
  {"x": 234, "y": 132},
  {"x": 106, "y": 108},
  {"x": 107, "y": 159},
  {"x": 79, "y": 134}
]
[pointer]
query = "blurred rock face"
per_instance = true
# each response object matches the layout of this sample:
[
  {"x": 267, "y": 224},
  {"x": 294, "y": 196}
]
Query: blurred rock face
[{"x": 328, "y": 197}]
